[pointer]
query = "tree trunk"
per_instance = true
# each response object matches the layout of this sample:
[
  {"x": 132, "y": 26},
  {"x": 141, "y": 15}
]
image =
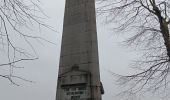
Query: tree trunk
[
  {"x": 166, "y": 37},
  {"x": 164, "y": 30}
]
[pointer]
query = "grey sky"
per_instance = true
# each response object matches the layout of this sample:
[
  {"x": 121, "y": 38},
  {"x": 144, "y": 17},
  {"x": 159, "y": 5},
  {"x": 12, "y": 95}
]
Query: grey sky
[{"x": 44, "y": 71}]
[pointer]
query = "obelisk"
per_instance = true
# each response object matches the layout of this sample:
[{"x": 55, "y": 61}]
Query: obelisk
[{"x": 79, "y": 75}]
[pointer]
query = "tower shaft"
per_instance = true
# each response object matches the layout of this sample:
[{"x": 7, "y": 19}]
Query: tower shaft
[{"x": 79, "y": 76}]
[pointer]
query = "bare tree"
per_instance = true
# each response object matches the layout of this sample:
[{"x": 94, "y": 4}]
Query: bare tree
[
  {"x": 147, "y": 23},
  {"x": 19, "y": 21}
]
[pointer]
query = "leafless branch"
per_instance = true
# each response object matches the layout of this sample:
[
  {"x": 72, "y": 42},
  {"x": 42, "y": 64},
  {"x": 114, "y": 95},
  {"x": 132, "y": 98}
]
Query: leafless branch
[
  {"x": 146, "y": 22},
  {"x": 19, "y": 20}
]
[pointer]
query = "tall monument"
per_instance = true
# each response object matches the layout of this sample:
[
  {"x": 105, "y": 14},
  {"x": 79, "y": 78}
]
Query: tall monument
[{"x": 79, "y": 75}]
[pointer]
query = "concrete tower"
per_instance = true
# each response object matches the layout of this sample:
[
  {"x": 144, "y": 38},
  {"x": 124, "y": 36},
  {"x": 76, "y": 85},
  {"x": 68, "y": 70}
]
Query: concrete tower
[{"x": 79, "y": 76}]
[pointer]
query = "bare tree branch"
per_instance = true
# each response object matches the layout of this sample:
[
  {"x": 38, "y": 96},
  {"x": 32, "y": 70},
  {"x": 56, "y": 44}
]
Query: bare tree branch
[
  {"x": 147, "y": 22},
  {"x": 19, "y": 21}
]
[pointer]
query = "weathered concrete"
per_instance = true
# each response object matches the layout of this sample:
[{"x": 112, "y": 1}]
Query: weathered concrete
[{"x": 79, "y": 77}]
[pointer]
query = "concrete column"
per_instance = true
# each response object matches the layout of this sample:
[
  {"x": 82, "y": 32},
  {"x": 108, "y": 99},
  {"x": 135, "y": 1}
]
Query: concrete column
[{"x": 79, "y": 64}]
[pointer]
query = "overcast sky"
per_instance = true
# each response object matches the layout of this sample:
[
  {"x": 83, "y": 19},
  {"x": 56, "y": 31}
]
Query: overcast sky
[{"x": 45, "y": 70}]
